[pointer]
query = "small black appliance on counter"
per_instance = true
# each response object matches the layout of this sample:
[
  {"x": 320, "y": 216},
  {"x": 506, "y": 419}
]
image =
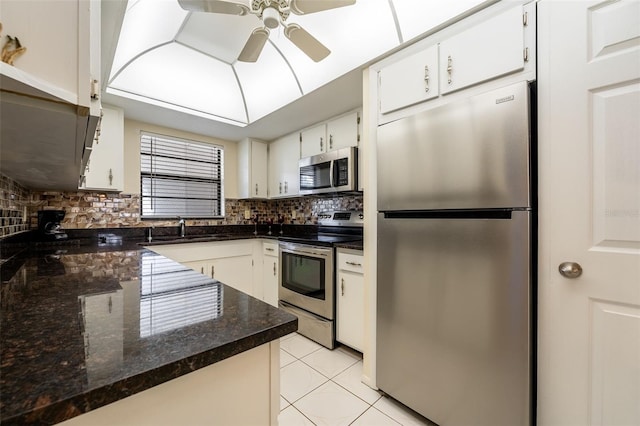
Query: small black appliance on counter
[{"x": 49, "y": 225}]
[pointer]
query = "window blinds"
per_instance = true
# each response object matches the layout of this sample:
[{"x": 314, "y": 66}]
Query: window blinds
[{"x": 180, "y": 178}]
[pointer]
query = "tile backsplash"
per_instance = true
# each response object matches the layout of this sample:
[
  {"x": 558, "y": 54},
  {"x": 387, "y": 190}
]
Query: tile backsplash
[
  {"x": 13, "y": 207},
  {"x": 20, "y": 206}
]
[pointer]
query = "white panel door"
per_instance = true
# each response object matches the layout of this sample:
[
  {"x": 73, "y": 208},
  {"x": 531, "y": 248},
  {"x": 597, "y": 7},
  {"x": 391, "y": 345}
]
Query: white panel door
[{"x": 589, "y": 146}]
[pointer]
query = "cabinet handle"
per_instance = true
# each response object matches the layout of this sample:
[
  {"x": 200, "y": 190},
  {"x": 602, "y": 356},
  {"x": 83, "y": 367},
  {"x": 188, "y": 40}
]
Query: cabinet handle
[
  {"x": 280, "y": 188},
  {"x": 449, "y": 68},
  {"x": 213, "y": 271},
  {"x": 269, "y": 249},
  {"x": 342, "y": 286},
  {"x": 286, "y": 187},
  {"x": 354, "y": 264},
  {"x": 110, "y": 304},
  {"x": 202, "y": 270},
  {"x": 110, "y": 177},
  {"x": 274, "y": 269},
  {"x": 256, "y": 189},
  {"x": 330, "y": 141},
  {"x": 321, "y": 144},
  {"x": 426, "y": 78}
]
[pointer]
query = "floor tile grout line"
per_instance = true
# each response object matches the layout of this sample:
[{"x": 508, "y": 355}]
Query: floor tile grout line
[{"x": 330, "y": 378}]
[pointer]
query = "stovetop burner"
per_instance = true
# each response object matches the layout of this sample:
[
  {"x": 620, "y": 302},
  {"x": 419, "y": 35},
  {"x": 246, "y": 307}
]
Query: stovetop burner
[{"x": 334, "y": 227}]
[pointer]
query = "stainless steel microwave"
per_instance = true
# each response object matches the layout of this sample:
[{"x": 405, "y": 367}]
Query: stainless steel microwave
[{"x": 334, "y": 171}]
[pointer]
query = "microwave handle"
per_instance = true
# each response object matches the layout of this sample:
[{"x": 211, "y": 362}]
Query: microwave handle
[{"x": 332, "y": 170}]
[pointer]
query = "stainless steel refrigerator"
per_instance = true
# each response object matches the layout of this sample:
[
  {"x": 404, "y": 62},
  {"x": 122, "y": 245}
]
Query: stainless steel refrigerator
[{"x": 454, "y": 274}]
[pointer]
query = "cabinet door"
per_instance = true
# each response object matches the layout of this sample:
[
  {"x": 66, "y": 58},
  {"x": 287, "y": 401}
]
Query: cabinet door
[
  {"x": 236, "y": 272},
  {"x": 200, "y": 266},
  {"x": 314, "y": 141},
  {"x": 343, "y": 132},
  {"x": 258, "y": 169},
  {"x": 409, "y": 81},
  {"x": 270, "y": 266},
  {"x": 350, "y": 309},
  {"x": 491, "y": 49},
  {"x": 105, "y": 169},
  {"x": 252, "y": 169},
  {"x": 284, "y": 154}
]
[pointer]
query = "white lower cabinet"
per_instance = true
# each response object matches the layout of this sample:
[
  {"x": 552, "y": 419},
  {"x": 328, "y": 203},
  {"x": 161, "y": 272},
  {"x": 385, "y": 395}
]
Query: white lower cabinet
[
  {"x": 350, "y": 298},
  {"x": 250, "y": 265},
  {"x": 270, "y": 272}
]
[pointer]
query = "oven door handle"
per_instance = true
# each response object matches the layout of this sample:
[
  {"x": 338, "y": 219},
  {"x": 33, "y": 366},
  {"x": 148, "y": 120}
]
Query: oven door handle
[{"x": 313, "y": 252}]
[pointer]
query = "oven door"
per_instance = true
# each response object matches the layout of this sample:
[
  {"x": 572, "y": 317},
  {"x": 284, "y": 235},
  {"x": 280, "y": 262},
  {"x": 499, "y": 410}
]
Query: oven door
[{"x": 306, "y": 278}]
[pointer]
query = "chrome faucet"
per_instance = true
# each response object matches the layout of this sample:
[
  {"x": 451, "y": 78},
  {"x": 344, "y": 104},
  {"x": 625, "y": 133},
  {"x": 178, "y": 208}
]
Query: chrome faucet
[{"x": 183, "y": 226}]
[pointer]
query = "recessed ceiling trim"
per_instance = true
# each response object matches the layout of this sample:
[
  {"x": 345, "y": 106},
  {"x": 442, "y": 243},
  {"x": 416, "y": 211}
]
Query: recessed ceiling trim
[
  {"x": 174, "y": 106},
  {"x": 139, "y": 55},
  {"x": 395, "y": 21},
  {"x": 201, "y": 52},
  {"x": 244, "y": 98},
  {"x": 286, "y": 61}
]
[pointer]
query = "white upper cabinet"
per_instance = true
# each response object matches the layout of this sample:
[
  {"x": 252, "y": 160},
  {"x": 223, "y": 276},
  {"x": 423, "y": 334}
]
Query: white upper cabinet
[
  {"x": 493, "y": 47},
  {"x": 409, "y": 81},
  {"x": 488, "y": 50},
  {"x": 343, "y": 132},
  {"x": 340, "y": 132},
  {"x": 252, "y": 169},
  {"x": 284, "y": 154},
  {"x": 105, "y": 169},
  {"x": 51, "y": 96},
  {"x": 313, "y": 141}
]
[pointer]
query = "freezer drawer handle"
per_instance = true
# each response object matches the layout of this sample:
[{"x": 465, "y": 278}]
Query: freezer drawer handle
[{"x": 570, "y": 269}]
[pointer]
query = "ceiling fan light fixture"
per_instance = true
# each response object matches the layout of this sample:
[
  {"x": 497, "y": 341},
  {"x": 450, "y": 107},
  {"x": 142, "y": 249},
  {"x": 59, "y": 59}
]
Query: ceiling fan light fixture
[{"x": 271, "y": 17}]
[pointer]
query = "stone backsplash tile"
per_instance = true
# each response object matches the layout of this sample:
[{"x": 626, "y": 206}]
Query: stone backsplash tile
[{"x": 84, "y": 210}]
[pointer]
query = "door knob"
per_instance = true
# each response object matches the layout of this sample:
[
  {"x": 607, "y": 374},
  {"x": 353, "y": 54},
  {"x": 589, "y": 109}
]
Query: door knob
[{"x": 570, "y": 269}]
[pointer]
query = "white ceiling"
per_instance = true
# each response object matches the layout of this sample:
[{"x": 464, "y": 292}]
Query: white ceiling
[{"x": 178, "y": 69}]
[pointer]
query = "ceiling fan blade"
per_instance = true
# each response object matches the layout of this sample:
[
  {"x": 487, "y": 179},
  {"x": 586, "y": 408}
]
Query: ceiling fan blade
[
  {"x": 306, "y": 42},
  {"x": 214, "y": 6},
  {"x": 301, "y": 7},
  {"x": 254, "y": 45}
]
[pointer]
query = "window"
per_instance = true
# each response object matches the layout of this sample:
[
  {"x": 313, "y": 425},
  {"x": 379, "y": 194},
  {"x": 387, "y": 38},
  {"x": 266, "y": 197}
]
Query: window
[{"x": 180, "y": 178}]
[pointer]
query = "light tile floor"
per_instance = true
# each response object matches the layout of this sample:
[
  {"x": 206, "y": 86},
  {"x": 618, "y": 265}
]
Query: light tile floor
[{"x": 323, "y": 387}]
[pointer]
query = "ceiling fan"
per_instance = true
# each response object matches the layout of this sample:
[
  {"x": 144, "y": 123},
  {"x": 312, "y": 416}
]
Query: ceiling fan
[{"x": 272, "y": 13}]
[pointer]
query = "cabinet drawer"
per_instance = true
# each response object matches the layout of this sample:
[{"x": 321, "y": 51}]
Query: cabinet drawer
[
  {"x": 351, "y": 262},
  {"x": 270, "y": 249}
]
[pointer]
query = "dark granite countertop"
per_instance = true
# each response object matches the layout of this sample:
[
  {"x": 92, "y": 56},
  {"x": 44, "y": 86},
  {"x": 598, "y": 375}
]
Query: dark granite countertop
[
  {"x": 353, "y": 245},
  {"x": 84, "y": 325}
]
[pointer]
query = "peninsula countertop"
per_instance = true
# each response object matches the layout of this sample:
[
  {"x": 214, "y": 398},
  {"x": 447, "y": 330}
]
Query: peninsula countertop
[{"x": 85, "y": 326}]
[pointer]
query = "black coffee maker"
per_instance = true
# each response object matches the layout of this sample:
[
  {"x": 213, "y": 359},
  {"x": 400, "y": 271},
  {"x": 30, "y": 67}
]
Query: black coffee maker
[{"x": 49, "y": 225}]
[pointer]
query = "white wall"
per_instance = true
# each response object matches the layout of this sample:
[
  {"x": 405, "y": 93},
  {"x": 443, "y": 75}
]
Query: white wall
[{"x": 132, "y": 131}]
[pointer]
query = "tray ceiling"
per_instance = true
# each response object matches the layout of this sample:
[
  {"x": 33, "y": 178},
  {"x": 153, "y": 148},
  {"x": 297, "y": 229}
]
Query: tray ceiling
[{"x": 186, "y": 61}]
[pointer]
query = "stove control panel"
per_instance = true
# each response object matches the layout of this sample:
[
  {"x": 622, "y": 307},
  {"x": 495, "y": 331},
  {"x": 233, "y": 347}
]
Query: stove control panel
[{"x": 341, "y": 218}]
